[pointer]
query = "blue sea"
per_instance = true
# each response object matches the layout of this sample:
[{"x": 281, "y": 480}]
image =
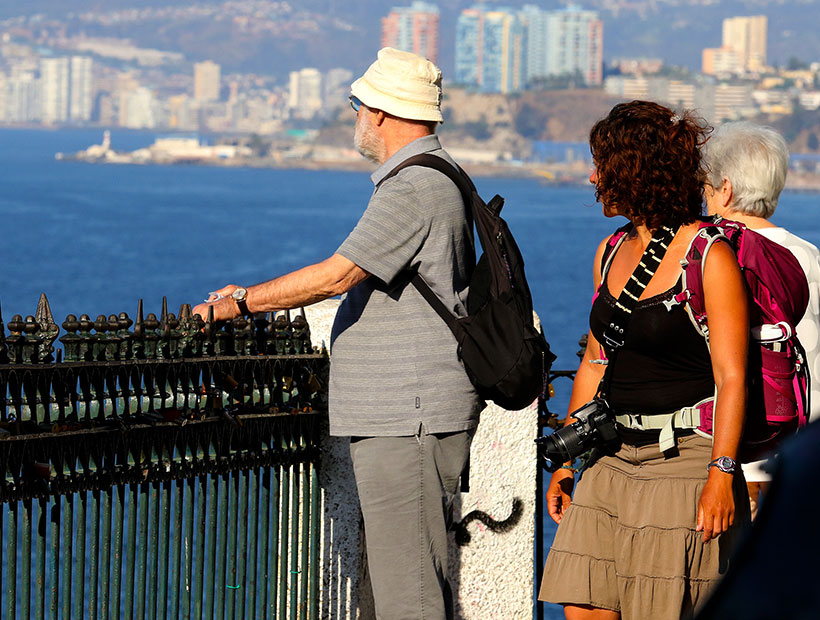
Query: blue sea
[{"x": 97, "y": 238}]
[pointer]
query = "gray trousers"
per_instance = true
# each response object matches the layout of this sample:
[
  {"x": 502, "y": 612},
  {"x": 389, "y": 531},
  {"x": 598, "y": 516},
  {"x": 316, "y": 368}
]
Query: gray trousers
[{"x": 406, "y": 489}]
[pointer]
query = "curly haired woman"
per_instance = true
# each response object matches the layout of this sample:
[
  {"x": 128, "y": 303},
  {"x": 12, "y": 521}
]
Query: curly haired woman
[{"x": 648, "y": 532}]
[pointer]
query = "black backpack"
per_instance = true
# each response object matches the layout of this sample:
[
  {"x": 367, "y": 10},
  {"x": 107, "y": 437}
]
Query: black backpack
[{"x": 506, "y": 357}]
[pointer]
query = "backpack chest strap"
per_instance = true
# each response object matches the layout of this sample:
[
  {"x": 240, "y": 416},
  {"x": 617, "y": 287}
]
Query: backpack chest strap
[{"x": 666, "y": 423}]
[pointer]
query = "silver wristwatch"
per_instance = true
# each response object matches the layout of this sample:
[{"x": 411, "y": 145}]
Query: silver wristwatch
[
  {"x": 240, "y": 296},
  {"x": 724, "y": 463}
]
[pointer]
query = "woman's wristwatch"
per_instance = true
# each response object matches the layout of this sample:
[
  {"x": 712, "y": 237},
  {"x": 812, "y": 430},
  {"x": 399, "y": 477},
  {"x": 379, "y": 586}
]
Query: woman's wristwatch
[{"x": 724, "y": 463}]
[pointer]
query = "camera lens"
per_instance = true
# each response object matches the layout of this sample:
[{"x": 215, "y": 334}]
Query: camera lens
[
  {"x": 563, "y": 445},
  {"x": 569, "y": 442}
]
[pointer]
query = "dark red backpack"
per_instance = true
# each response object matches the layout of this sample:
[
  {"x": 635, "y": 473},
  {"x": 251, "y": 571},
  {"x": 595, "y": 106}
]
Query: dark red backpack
[{"x": 778, "y": 397}]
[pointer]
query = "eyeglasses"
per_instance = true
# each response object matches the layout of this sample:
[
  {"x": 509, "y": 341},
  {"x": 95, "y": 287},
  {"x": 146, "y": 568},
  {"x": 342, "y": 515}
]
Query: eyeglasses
[{"x": 355, "y": 103}]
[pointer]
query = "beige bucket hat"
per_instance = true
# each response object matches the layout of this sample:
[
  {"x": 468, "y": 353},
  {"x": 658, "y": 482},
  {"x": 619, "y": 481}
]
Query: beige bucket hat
[{"x": 402, "y": 84}]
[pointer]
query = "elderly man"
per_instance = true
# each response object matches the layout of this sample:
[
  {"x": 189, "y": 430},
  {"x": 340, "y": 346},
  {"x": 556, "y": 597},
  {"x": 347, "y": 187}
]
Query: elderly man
[
  {"x": 747, "y": 167},
  {"x": 397, "y": 387}
]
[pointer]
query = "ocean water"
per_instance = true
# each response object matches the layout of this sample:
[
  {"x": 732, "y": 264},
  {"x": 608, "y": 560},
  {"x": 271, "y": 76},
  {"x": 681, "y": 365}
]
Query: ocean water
[{"x": 97, "y": 238}]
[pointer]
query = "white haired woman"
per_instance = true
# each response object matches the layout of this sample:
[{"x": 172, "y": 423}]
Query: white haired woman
[{"x": 746, "y": 168}]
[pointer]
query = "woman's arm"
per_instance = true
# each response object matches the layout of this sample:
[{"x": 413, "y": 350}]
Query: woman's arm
[
  {"x": 584, "y": 387},
  {"x": 726, "y": 301}
]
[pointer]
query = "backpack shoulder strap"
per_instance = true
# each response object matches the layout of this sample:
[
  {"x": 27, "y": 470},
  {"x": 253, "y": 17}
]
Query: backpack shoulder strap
[
  {"x": 431, "y": 298},
  {"x": 693, "y": 265},
  {"x": 612, "y": 245},
  {"x": 455, "y": 173},
  {"x": 466, "y": 187}
]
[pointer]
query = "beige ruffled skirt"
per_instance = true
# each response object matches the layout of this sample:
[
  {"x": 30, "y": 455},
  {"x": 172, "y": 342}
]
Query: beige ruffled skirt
[{"x": 628, "y": 541}]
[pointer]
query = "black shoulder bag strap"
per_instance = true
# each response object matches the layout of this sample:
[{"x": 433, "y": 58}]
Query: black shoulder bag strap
[
  {"x": 466, "y": 187},
  {"x": 615, "y": 332}
]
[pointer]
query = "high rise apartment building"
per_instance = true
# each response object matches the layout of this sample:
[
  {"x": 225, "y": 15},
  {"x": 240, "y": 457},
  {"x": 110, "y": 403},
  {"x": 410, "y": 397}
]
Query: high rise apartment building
[
  {"x": 746, "y": 36},
  {"x": 54, "y": 84},
  {"x": 81, "y": 97},
  {"x": 22, "y": 98},
  {"x": 305, "y": 92},
  {"x": 490, "y": 50},
  {"x": 336, "y": 87},
  {"x": 413, "y": 29},
  {"x": 574, "y": 44},
  {"x": 504, "y": 52},
  {"x": 469, "y": 47},
  {"x": 534, "y": 20},
  {"x": 537, "y": 45},
  {"x": 207, "y": 81}
]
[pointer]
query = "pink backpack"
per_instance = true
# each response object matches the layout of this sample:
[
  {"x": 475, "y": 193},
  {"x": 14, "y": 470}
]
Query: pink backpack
[{"x": 778, "y": 398}]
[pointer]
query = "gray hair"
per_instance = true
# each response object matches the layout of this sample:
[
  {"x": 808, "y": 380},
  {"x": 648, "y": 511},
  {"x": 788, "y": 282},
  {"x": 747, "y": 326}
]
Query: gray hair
[{"x": 755, "y": 159}]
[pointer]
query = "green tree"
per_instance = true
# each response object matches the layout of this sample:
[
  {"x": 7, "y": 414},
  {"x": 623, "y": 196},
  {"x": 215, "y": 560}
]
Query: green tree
[
  {"x": 258, "y": 146},
  {"x": 480, "y": 129},
  {"x": 795, "y": 64},
  {"x": 530, "y": 121}
]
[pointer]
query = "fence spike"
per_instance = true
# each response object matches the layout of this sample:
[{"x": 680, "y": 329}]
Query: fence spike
[
  {"x": 4, "y": 357},
  {"x": 48, "y": 329}
]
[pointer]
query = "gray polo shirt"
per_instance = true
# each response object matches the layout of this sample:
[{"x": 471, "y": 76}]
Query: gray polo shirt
[{"x": 394, "y": 362}]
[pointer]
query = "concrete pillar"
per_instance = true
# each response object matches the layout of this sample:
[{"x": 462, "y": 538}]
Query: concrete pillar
[{"x": 493, "y": 573}]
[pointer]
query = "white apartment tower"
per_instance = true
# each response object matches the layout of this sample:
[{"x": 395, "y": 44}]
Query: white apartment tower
[
  {"x": 746, "y": 36},
  {"x": 54, "y": 82},
  {"x": 575, "y": 44},
  {"x": 535, "y": 22},
  {"x": 305, "y": 92},
  {"x": 66, "y": 89},
  {"x": 207, "y": 81},
  {"x": 81, "y": 95},
  {"x": 22, "y": 97},
  {"x": 567, "y": 42}
]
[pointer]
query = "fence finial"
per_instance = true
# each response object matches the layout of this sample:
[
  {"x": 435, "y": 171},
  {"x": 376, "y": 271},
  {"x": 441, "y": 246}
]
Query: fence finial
[{"x": 48, "y": 328}]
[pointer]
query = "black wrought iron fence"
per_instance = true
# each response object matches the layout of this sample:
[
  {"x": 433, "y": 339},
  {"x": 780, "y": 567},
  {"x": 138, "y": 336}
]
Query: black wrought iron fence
[
  {"x": 549, "y": 419},
  {"x": 164, "y": 471}
]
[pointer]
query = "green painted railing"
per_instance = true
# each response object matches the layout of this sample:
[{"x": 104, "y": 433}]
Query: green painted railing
[{"x": 164, "y": 472}]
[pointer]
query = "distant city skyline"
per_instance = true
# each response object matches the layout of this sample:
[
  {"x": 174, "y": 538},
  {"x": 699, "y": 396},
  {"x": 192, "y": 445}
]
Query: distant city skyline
[{"x": 54, "y": 76}]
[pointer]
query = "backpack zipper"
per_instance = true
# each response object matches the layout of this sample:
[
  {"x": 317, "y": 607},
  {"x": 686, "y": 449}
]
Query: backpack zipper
[{"x": 500, "y": 240}]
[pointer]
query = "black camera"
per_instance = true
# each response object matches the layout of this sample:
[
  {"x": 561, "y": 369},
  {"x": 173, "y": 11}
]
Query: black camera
[{"x": 594, "y": 428}]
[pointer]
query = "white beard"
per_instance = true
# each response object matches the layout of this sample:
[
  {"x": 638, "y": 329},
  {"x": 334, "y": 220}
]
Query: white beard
[{"x": 367, "y": 140}]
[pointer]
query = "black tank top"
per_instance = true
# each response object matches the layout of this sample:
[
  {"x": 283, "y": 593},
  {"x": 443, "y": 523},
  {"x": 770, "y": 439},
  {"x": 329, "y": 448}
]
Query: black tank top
[{"x": 664, "y": 364}]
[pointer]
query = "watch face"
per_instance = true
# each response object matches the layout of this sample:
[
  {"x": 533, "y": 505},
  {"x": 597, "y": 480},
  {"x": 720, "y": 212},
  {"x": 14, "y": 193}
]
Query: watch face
[
  {"x": 726, "y": 464},
  {"x": 240, "y": 294}
]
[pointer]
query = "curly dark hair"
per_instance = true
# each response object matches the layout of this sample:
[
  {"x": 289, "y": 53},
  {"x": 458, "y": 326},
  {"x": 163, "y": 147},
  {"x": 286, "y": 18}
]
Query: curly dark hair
[{"x": 649, "y": 163}]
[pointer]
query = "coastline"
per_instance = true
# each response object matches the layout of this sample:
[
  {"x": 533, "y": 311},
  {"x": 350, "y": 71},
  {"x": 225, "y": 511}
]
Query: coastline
[
  {"x": 549, "y": 174},
  {"x": 290, "y": 155}
]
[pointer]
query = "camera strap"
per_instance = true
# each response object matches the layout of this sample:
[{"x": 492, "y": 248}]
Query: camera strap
[{"x": 615, "y": 333}]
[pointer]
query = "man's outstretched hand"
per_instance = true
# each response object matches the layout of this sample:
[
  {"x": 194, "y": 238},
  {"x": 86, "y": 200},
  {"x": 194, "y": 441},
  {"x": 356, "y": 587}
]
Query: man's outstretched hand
[{"x": 224, "y": 306}]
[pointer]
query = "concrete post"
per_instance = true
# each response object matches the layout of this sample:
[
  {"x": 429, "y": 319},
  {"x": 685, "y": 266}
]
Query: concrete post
[{"x": 492, "y": 573}]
